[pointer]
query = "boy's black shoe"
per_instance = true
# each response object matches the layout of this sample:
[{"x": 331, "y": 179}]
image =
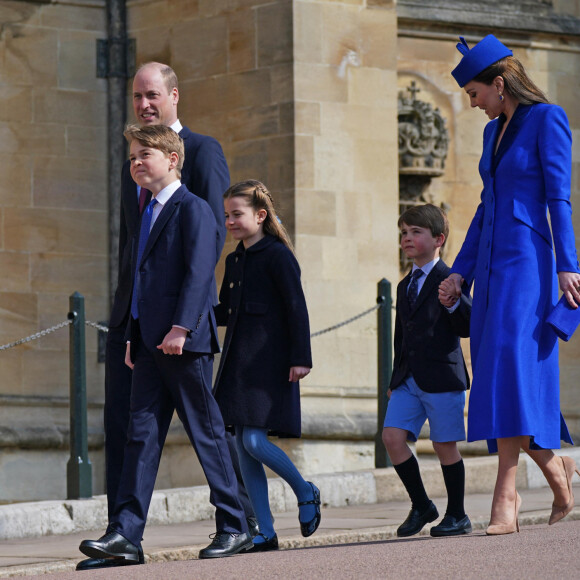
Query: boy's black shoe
[
  {"x": 416, "y": 520},
  {"x": 449, "y": 526}
]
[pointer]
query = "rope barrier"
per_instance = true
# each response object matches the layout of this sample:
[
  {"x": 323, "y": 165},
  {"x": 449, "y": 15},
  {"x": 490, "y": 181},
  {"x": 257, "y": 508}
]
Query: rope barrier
[
  {"x": 103, "y": 328},
  {"x": 35, "y": 336},
  {"x": 347, "y": 321}
]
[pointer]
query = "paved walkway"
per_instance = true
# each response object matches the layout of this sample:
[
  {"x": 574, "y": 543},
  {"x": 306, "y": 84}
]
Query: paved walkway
[{"x": 345, "y": 524}]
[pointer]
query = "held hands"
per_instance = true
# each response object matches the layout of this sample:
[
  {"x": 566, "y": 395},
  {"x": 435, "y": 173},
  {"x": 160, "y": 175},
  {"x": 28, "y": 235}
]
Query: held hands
[
  {"x": 570, "y": 286},
  {"x": 173, "y": 341},
  {"x": 450, "y": 290},
  {"x": 297, "y": 373}
]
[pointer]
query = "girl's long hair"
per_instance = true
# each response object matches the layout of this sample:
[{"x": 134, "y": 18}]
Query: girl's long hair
[
  {"x": 516, "y": 80},
  {"x": 258, "y": 197}
]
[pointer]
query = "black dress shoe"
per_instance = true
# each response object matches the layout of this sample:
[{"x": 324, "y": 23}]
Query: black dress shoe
[
  {"x": 226, "y": 544},
  {"x": 450, "y": 526},
  {"x": 253, "y": 526},
  {"x": 267, "y": 545},
  {"x": 111, "y": 545},
  {"x": 416, "y": 520},
  {"x": 308, "y": 528}
]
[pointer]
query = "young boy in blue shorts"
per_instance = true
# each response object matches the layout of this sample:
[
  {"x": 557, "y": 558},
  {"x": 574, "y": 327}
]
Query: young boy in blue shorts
[{"x": 429, "y": 374}]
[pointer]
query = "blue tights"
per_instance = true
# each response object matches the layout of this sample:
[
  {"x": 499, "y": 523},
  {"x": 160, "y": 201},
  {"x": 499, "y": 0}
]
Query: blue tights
[{"x": 254, "y": 451}]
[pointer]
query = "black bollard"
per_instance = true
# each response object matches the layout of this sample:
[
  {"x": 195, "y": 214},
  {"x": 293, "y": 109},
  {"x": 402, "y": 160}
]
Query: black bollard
[
  {"x": 79, "y": 481},
  {"x": 385, "y": 366}
]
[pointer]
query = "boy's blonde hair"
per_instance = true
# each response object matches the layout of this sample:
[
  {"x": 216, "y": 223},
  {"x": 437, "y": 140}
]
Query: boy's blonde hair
[
  {"x": 158, "y": 137},
  {"x": 258, "y": 197}
]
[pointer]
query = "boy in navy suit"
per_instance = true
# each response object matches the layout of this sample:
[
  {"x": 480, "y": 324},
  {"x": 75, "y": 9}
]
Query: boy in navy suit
[
  {"x": 171, "y": 336},
  {"x": 429, "y": 374}
]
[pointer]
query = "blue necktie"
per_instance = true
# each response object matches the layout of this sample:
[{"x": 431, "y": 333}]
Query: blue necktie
[
  {"x": 413, "y": 286},
  {"x": 143, "y": 236}
]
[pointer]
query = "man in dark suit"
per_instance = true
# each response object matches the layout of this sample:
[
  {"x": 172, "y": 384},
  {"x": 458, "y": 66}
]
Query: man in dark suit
[
  {"x": 172, "y": 337},
  {"x": 429, "y": 374},
  {"x": 205, "y": 173}
]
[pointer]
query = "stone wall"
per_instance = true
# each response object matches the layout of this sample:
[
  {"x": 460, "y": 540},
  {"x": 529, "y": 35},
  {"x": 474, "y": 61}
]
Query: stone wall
[{"x": 53, "y": 225}]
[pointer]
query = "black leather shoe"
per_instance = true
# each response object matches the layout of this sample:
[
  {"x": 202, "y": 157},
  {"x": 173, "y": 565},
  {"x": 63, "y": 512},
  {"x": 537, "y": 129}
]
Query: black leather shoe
[
  {"x": 449, "y": 526},
  {"x": 111, "y": 545},
  {"x": 308, "y": 528},
  {"x": 253, "y": 526},
  {"x": 416, "y": 520},
  {"x": 96, "y": 563},
  {"x": 267, "y": 545},
  {"x": 226, "y": 544}
]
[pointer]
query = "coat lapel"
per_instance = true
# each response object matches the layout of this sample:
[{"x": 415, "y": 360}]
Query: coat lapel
[
  {"x": 511, "y": 133},
  {"x": 402, "y": 300},
  {"x": 161, "y": 221}
]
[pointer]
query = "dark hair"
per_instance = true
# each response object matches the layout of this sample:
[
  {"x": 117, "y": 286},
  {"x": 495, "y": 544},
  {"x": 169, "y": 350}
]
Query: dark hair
[
  {"x": 427, "y": 216},
  {"x": 517, "y": 83},
  {"x": 158, "y": 137},
  {"x": 258, "y": 197}
]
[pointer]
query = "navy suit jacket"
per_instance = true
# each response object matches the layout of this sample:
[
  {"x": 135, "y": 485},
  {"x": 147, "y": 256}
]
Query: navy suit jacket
[
  {"x": 427, "y": 337},
  {"x": 205, "y": 173},
  {"x": 176, "y": 274}
]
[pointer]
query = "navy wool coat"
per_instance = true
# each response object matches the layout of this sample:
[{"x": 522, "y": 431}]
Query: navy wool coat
[{"x": 262, "y": 303}]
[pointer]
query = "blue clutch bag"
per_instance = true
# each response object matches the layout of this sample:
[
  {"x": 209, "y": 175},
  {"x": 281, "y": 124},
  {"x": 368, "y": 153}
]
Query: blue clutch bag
[{"x": 564, "y": 319}]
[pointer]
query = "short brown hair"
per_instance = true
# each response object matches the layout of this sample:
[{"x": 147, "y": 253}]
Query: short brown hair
[
  {"x": 427, "y": 216},
  {"x": 158, "y": 137}
]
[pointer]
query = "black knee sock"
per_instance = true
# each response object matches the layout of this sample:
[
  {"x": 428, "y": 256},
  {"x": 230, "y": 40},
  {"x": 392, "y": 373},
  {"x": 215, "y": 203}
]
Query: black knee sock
[
  {"x": 410, "y": 475},
  {"x": 454, "y": 477}
]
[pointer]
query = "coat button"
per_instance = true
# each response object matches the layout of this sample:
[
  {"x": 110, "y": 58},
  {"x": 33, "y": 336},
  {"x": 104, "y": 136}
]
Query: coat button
[
  {"x": 231, "y": 284},
  {"x": 229, "y": 310}
]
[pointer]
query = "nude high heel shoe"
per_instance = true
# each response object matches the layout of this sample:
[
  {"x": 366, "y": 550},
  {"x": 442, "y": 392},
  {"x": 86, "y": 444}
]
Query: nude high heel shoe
[
  {"x": 500, "y": 529},
  {"x": 559, "y": 512}
]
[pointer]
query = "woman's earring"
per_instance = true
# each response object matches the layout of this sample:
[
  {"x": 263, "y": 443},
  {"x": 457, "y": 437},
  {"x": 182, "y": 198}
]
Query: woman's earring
[{"x": 500, "y": 97}]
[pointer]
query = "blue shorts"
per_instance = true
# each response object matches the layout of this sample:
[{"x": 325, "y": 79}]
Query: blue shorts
[{"x": 409, "y": 407}]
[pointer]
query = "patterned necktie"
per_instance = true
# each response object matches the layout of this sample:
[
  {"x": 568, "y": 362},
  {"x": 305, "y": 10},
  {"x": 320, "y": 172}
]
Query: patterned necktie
[
  {"x": 143, "y": 236},
  {"x": 142, "y": 197},
  {"x": 413, "y": 286}
]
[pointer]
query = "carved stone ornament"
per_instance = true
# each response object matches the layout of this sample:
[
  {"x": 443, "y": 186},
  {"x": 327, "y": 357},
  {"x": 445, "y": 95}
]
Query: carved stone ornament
[{"x": 423, "y": 137}]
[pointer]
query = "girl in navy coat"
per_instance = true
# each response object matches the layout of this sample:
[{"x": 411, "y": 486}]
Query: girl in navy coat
[
  {"x": 526, "y": 169},
  {"x": 266, "y": 352}
]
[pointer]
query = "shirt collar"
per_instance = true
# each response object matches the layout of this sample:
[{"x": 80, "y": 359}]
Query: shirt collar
[
  {"x": 427, "y": 267},
  {"x": 177, "y": 126},
  {"x": 165, "y": 194}
]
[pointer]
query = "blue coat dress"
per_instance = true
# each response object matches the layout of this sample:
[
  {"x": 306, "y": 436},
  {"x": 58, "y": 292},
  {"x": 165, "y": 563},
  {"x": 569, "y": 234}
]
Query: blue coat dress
[{"x": 508, "y": 254}]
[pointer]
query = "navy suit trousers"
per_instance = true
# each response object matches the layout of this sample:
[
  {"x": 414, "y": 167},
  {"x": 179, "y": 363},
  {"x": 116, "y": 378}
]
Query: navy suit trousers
[
  {"x": 162, "y": 384},
  {"x": 117, "y": 410}
]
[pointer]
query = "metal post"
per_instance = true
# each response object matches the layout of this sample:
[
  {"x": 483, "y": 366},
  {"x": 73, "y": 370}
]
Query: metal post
[
  {"x": 385, "y": 366},
  {"x": 79, "y": 480}
]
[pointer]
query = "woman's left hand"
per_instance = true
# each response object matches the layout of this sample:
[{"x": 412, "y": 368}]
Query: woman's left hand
[
  {"x": 297, "y": 373},
  {"x": 570, "y": 286}
]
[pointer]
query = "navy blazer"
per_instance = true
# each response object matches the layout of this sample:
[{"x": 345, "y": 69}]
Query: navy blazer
[
  {"x": 427, "y": 337},
  {"x": 205, "y": 173},
  {"x": 176, "y": 274}
]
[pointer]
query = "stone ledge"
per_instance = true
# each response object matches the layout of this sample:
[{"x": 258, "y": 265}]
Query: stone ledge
[
  {"x": 35, "y": 519},
  {"x": 530, "y": 15}
]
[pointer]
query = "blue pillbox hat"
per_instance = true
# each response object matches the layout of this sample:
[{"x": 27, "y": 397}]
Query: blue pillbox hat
[
  {"x": 564, "y": 319},
  {"x": 483, "y": 54}
]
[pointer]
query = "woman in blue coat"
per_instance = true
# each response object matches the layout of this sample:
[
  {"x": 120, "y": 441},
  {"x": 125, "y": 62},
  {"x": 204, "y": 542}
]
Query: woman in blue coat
[{"x": 525, "y": 168}]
